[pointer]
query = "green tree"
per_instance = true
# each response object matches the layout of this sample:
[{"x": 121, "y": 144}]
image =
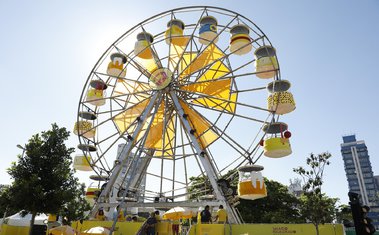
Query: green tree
[
  {"x": 43, "y": 181},
  {"x": 76, "y": 208},
  {"x": 344, "y": 215},
  {"x": 199, "y": 186},
  {"x": 278, "y": 207},
  {"x": 315, "y": 207},
  {"x": 5, "y": 197}
]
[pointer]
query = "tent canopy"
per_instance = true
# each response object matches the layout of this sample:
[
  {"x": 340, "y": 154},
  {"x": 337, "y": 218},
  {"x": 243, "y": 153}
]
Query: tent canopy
[{"x": 18, "y": 220}]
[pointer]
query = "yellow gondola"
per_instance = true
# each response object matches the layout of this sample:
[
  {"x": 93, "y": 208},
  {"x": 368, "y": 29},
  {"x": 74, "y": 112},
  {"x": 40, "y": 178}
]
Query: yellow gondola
[
  {"x": 277, "y": 147},
  {"x": 84, "y": 128},
  {"x": 92, "y": 193},
  {"x": 142, "y": 47},
  {"x": 96, "y": 94},
  {"x": 280, "y": 100},
  {"x": 266, "y": 64},
  {"x": 251, "y": 184},
  {"x": 174, "y": 32},
  {"x": 116, "y": 65},
  {"x": 82, "y": 163},
  {"x": 274, "y": 146}
]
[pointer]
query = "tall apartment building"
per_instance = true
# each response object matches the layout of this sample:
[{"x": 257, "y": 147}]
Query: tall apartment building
[
  {"x": 359, "y": 174},
  {"x": 358, "y": 169}
]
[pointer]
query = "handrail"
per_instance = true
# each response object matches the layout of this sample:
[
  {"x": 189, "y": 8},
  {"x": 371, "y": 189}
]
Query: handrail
[
  {"x": 189, "y": 229},
  {"x": 230, "y": 228},
  {"x": 141, "y": 229}
]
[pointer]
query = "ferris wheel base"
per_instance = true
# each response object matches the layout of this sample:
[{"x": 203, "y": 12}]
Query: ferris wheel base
[
  {"x": 165, "y": 228},
  {"x": 165, "y": 204}
]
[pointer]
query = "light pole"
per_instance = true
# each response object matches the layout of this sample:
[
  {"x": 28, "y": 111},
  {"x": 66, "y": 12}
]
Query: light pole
[{"x": 23, "y": 149}]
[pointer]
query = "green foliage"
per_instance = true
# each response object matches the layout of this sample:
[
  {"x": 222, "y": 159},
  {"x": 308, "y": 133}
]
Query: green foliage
[
  {"x": 5, "y": 197},
  {"x": 199, "y": 186},
  {"x": 344, "y": 215},
  {"x": 44, "y": 181},
  {"x": 316, "y": 207},
  {"x": 278, "y": 207},
  {"x": 76, "y": 208}
]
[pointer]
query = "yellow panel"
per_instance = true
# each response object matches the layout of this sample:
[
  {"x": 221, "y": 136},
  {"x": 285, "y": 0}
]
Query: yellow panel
[
  {"x": 169, "y": 138},
  {"x": 154, "y": 137},
  {"x": 176, "y": 51},
  {"x": 209, "y": 55},
  {"x": 125, "y": 119},
  {"x": 121, "y": 227},
  {"x": 217, "y": 70},
  {"x": 147, "y": 64},
  {"x": 202, "y": 126},
  {"x": 134, "y": 91},
  {"x": 298, "y": 229},
  {"x": 218, "y": 90}
]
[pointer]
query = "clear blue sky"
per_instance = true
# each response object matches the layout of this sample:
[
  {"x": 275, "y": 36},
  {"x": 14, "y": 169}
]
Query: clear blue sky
[{"x": 327, "y": 49}]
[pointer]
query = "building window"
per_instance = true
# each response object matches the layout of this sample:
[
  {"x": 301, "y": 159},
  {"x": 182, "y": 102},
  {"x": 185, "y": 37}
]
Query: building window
[
  {"x": 369, "y": 181},
  {"x": 352, "y": 177},
  {"x": 354, "y": 188},
  {"x": 370, "y": 186},
  {"x": 367, "y": 175}
]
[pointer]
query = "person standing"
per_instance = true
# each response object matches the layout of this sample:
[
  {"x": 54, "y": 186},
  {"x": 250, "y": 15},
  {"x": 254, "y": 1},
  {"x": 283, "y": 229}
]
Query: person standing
[
  {"x": 150, "y": 224},
  {"x": 100, "y": 215},
  {"x": 158, "y": 218},
  {"x": 175, "y": 226},
  {"x": 120, "y": 214},
  {"x": 206, "y": 216},
  {"x": 222, "y": 216}
]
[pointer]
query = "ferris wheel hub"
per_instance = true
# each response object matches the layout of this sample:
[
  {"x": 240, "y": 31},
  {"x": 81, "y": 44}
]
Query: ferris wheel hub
[{"x": 160, "y": 78}]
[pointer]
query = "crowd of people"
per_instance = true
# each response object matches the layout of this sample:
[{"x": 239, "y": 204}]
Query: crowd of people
[{"x": 204, "y": 217}]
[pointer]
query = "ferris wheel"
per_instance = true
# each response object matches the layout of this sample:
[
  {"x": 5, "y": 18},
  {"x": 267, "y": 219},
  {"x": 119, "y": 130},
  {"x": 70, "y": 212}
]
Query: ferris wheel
[{"x": 190, "y": 92}]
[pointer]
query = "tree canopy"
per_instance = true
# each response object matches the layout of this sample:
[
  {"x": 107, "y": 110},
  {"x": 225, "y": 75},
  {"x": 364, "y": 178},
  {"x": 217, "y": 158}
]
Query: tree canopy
[
  {"x": 43, "y": 180},
  {"x": 316, "y": 207},
  {"x": 278, "y": 207}
]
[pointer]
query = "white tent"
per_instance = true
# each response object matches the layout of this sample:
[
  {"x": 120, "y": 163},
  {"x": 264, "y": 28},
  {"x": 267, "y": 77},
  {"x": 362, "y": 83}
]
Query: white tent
[{"x": 18, "y": 220}]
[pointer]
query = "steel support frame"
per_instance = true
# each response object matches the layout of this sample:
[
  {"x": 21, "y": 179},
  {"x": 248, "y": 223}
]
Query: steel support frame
[
  {"x": 123, "y": 156},
  {"x": 205, "y": 161}
]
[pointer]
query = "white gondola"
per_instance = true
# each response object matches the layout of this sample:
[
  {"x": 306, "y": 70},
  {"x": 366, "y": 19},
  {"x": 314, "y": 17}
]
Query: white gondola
[
  {"x": 240, "y": 41},
  {"x": 142, "y": 47},
  {"x": 208, "y": 30},
  {"x": 266, "y": 64}
]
